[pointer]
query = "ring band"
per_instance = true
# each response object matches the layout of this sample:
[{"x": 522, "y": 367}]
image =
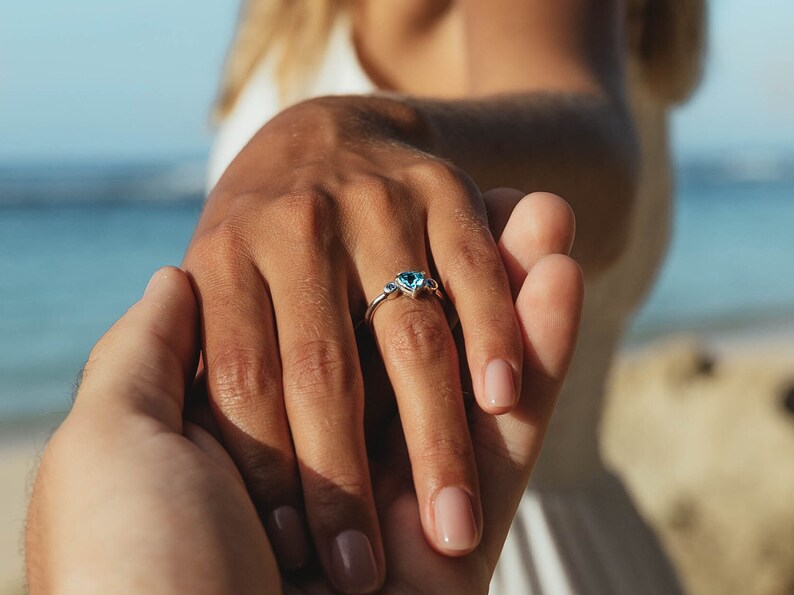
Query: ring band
[{"x": 410, "y": 283}]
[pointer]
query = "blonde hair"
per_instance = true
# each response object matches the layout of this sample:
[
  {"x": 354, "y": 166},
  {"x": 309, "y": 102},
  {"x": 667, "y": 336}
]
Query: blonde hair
[
  {"x": 667, "y": 36},
  {"x": 297, "y": 29}
]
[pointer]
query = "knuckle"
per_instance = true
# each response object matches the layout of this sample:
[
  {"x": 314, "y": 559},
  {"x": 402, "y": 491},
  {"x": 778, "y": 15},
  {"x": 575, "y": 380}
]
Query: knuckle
[
  {"x": 419, "y": 335},
  {"x": 439, "y": 451},
  {"x": 369, "y": 188},
  {"x": 222, "y": 245},
  {"x": 497, "y": 331},
  {"x": 440, "y": 175},
  {"x": 386, "y": 205},
  {"x": 238, "y": 375},
  {"x": 469, "y": 256},
  {"x": 242, "y": 204},
  {"x": 305, "y": 215},
  {"x": 318, "y": 364},
  {"x": 479, "y": 256}
]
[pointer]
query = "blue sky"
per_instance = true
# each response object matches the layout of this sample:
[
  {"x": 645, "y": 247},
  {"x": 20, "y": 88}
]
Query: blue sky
[
  {"x": 746, "y": 103},
  {"x": 92, "y": 78}
]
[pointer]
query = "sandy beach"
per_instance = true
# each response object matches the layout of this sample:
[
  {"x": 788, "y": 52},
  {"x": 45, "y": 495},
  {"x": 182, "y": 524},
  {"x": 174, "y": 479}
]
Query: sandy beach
[
  {"x": 702, "y": 430},
  {"x": 20, "y": 446},
  {"x": 15, "y": 464}
]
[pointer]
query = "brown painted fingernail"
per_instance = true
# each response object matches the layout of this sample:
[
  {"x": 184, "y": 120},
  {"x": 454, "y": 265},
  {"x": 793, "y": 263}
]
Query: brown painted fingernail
[
  {"x": 455, "y": 526},
  {"x": 354, "y": 568},
  {"x": 287, "y": 533},
  {"x": 500, "y": 390}
]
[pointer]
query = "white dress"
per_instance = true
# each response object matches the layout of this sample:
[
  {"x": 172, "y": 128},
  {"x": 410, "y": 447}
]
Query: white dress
[{"x": 576, "y": 530}]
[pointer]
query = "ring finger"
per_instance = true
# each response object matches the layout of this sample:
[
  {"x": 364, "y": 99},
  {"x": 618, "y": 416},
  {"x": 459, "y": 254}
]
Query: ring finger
[{"x": 420, "y": 358}]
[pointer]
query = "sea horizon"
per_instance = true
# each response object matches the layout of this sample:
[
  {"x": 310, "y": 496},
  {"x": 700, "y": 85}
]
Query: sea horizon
[{"x": 79, "y": 238}]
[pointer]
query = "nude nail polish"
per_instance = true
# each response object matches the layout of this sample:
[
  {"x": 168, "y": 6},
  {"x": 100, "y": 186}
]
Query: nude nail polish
[
  {"x": 500, "y": 390},
  {"x": 454, "y": 519}
]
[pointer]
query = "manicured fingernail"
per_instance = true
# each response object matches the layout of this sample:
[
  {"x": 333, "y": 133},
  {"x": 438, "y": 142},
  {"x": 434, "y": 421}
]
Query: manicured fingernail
[
  {"x": 500, "y": 391},
  {"x": 455, "y": 525},
  {"x": 354, "y": 569},
  {"x": 287, "y": 533}
]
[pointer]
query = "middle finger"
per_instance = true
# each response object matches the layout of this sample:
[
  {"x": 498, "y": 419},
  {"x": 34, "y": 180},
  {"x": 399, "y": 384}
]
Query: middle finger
[{"x": 323, "y": 394}]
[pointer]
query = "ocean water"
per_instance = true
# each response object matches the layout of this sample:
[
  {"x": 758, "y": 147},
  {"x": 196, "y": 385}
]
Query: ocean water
[
  {"x": 78, "y": 244},
  {"x": 730, "y": 266}
]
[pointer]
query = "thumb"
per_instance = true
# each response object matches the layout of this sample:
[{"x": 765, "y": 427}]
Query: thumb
[{"x": 147, "y": 358}]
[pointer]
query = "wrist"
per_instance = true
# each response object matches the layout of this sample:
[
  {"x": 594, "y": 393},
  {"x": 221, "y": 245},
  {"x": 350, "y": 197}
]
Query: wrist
[{"x": 390, "y": 117}]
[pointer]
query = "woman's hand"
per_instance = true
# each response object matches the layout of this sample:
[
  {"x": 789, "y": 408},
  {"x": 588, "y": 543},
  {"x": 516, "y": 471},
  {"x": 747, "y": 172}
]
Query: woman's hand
[
  {"x": 548, "y": 294},
  {"x": 324, "y": 206},
  {"x": 128, "y": 498}
]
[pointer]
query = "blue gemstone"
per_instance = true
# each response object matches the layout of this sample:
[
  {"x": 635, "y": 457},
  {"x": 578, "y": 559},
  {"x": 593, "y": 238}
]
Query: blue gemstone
[{"x": 411, "y": 280}]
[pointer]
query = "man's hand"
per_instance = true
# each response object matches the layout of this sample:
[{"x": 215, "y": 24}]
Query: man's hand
[{"x": 129, "y": 499}]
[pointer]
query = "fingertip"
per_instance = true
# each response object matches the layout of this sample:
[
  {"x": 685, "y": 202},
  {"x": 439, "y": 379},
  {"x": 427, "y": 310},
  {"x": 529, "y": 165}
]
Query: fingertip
[
  {"x": 555, "y": 283},
  {"x": 541, "y": 223},
  {"x": 145, "y": 361},
  {"x": 354, "y": 569},
  {"x": 166, "y": 320},
  {"x": 286, "y": 527},
  {"x": 549, "y": 308},
  {"x": 564, "y": 273},
  {"x": 456, "y": 526},
  {"x": 171, "y": 286},
  {"x": 500, "y": 395},
  {"x": 491, "y": 409},
  {"x": 560, "y": 220},
  {"x": 168, "y": 279}
]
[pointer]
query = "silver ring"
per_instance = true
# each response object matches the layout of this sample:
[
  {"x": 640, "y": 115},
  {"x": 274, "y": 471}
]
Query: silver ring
[{"x": 411, "y": 283}]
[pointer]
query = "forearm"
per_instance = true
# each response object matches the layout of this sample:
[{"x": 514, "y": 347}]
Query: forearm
[{"x": 580, "y": 146}]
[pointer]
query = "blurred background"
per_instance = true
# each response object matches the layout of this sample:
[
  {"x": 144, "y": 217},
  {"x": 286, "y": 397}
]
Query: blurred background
[{"x": 103, "y": 139}]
